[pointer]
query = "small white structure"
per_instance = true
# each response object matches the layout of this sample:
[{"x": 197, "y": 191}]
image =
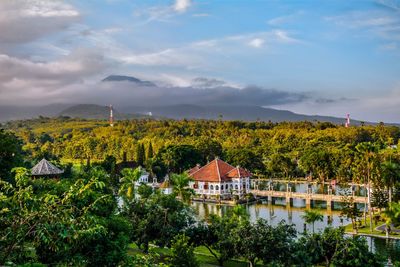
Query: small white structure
[
  {"x": 144, "y": 179},
  {"x": 219, "y": 178},
  {"x": 165, "y": 186}
]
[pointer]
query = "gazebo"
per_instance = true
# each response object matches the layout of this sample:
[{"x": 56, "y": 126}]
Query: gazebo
[{"x": 45, "y": 169}]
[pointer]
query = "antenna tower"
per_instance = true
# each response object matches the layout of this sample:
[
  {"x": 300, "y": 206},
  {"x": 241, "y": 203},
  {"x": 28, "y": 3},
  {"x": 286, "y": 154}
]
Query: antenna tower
[
  {"x": 347, "y": 124},
  {"x": 111, "y": 116}
]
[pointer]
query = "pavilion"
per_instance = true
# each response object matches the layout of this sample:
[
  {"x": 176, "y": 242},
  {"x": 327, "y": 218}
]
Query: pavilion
[{"x": 46, "y": 169}]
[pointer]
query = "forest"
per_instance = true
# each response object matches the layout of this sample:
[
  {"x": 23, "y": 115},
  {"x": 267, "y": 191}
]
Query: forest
[
  {"x": 96, "y": 216},
  {"x": 321, "y": 150}
]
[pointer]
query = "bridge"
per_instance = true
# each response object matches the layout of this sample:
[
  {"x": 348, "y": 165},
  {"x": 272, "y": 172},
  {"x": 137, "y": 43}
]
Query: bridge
[{"x": 289, "y": 196}]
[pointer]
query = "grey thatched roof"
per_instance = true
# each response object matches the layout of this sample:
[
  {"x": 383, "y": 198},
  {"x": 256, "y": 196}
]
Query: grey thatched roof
[{"x": 45, "y": 168}]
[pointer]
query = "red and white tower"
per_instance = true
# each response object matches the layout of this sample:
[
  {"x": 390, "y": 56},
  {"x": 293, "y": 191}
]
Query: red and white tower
[
  {"x": 347, "y": 124},
  {"x": 111, "y": 116}
]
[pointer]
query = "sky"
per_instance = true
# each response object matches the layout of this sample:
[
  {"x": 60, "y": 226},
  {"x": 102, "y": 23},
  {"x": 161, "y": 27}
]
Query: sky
[{"x": 312, "y": 57}]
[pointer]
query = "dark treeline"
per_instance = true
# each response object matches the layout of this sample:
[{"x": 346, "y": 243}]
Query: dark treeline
[{"x": 325, "y": 150}]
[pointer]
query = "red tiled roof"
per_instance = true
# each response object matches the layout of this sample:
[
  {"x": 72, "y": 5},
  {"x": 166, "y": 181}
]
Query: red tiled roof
[
  {"x": 194, "y": 169},
  {"x": 238, "y": 172},
  {"x": 216, "y": 171}
]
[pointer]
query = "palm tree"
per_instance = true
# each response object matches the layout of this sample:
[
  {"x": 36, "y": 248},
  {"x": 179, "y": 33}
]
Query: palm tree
[
  {"x": 128, "y": 180},
  {"x": 311, "y": 216},
  {"x": 391, "y": 215},
  {"x": 180, "y": 185},
  {"x": 391, "y": 174}
]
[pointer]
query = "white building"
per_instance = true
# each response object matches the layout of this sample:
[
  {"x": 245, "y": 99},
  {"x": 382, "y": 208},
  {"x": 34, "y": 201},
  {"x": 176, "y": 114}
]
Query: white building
[{"x": 219, "y": 178}]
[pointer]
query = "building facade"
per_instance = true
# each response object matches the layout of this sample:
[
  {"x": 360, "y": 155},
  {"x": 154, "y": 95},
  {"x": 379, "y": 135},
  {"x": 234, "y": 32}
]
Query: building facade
[{"x": 221, "y": 179}]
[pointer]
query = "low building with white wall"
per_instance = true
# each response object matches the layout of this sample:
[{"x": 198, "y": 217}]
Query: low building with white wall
[{"x": 220, "y": 179}]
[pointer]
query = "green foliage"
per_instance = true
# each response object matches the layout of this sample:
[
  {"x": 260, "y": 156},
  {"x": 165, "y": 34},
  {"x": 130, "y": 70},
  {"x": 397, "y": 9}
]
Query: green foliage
[
  {"x": 350, "y": 210},
  {"x": 261, "y": 241},
  {"x": 157, "y": 219},
  {"x": 10, "y": 154},
  {"x": 182, "y": 252},
  {"x": 180, "y": 184},
  {"x": 264, "y": 148},
  {"x": 392, "y": 214},
  {"x": 127, "y": 183},
  {"x": 140, "y": 155},
  {"x": 179, "y": 158},
  {"x": 335, "y": 249},
  {"x": 312, "y": 216},
  {"x": 55, "y": 226},
  {"x": 245, "y": 158}
]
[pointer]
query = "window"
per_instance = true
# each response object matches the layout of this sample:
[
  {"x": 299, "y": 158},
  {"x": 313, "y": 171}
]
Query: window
[
  {"x": 222, "y": 187},
  {"x": 231, "y": 186},
  {"x": 216, "y": 187},
  {"x": 211, "y": 187},
  {"x": 236, "y": 186}
]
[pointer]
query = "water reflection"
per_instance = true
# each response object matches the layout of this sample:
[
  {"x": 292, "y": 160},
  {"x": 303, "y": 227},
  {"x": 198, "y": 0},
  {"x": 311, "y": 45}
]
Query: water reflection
[
  {"x": 276, "y": 213},
  {"x": 292, "y": 215}
]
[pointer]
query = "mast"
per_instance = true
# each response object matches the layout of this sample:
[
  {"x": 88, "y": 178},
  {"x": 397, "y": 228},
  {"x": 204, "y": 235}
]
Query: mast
[
  {"x": 111, "y": 116},
  {"x": 347, "y": 124}
]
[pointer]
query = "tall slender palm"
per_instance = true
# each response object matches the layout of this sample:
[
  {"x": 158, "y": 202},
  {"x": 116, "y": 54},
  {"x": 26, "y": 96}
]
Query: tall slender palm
[
  {"x": 367, "y": 163},
  {"x": 311, "y": 216},
  {"x": 180, "y": 185},
  {"x": 391, "y": 174},
  {"x": 128, "y": 180}
]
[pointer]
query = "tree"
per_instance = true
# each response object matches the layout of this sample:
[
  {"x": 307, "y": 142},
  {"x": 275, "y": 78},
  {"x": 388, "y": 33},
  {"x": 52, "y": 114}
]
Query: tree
[
  {"x": 312, "y": 216},
  {"x": 350, "y": 210},
  {"x": 281, "y": 164},
  {"x": 334, "y": 248},
  {"x": 246, "y": 159},
  {"x": 208, "y": 148},
  {"x": 317, "y": 160},
  {"x": 179, "y": 158},
  {"x": 390, "y": 175},
  {"x": 57, "y": 227},
  {"x": 157, "y": 219},
  {"x": 261, "y": 241},
  {"x": 180, "y": 184},
  {"x": 379, "y": 198},
  {"x": 150, "y": 152},
  {"x": 182, "y": 252},
  {"x": 140, "y": 155},
  {"x": 10, "y": 154},
  {"x": 366, "y": 165},
  {"x": 127, "y": 183}
]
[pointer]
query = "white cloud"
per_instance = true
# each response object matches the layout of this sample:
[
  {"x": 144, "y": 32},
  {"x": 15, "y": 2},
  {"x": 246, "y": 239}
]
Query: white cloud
[
  {"x": 206, "y": 54},
  {"x": 182, "y": 5},
  {"x": 384, "y": 24},
  {"x": 257, "y": 42},
  {"x": 23, "y": 21}
]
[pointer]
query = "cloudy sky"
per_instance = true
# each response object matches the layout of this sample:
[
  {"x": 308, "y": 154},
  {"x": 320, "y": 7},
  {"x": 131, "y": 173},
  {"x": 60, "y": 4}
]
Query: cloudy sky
[{"x": 330, "y": 58}]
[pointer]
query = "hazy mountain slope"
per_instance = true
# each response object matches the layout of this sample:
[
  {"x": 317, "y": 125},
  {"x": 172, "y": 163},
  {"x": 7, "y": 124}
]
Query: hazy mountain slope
[
  {"x": 246, "y": 113},
  {"x": 91, "y": 111}
]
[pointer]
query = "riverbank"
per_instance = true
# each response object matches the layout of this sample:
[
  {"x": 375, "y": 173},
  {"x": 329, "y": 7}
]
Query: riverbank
[{"x": 365, "y": 230}]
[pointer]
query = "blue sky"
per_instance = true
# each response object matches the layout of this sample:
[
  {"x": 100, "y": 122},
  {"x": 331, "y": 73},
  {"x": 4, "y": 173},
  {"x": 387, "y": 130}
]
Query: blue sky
[{"x": 344, "y": 56}]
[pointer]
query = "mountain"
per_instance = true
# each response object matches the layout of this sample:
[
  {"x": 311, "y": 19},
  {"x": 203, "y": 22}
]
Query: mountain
[
  {"x": 122, "y": 78},
  {"x": 91, "y": 111},
  {"x": 8, "y": 113},
  {"x": 245, "y": 113}
]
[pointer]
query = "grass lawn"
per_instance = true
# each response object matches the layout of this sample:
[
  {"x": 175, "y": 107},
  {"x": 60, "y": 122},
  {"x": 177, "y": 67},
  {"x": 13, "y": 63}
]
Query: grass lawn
[
  {"x": 202, "y": 254},
  {"x": 365, "y": 229}
]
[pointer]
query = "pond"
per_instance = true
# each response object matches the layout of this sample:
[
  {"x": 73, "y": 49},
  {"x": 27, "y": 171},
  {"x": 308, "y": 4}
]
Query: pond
[{"x": 292, "y": 215}]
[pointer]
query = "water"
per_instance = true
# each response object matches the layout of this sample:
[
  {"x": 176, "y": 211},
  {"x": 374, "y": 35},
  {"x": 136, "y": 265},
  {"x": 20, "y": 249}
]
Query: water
[{"x": 292, "y": 215}]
